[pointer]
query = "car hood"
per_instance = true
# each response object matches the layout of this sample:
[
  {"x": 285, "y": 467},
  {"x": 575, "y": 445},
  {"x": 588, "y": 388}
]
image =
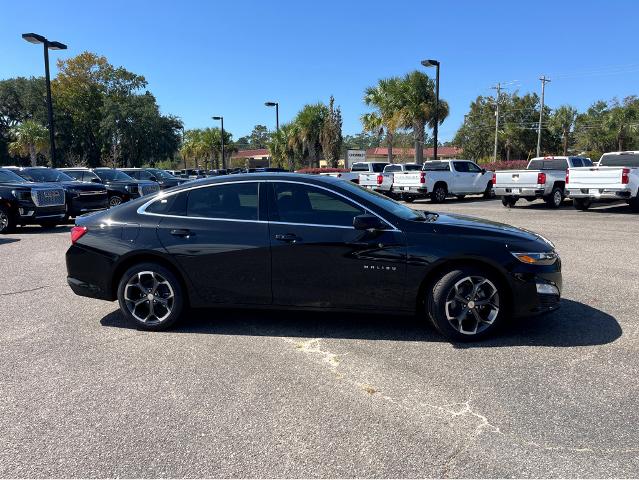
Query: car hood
[
  {"x": 82, "y": 186},
  {"x": 29, "y": 185},
  {"x": 473, "y": 226}
]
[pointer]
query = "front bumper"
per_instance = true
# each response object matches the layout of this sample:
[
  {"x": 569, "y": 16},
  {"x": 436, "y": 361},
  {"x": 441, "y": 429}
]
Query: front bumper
[
  {"x": 536, "y": 293},
  {"x": 28, "y": 214},
  {"x": 519, "y": 192},
  {"x": 599, "y": 193}
]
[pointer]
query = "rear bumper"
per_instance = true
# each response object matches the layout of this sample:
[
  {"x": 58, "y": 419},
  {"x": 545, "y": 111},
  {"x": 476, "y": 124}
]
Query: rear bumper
[
  {"x": 519, "y": 192},
  {"x": 598, "y": 193},
  {"x": 89, "y": 273},
  {"x": 410, "y": 190}
]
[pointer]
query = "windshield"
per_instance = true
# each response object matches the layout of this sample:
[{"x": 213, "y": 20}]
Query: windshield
[
  {"x": 110, "y": 175},
  {"x": 384, "y": 202},
  {"x": 45, "y": 175},
  {"x": 157, "y": 173},
  {"x": 619, "y": 160},
  {"x": 7, "y": 176}
]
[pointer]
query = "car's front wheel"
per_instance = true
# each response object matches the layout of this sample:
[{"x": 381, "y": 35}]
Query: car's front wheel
[
  {"x": 466, "y": 304},
  {"x": 115, "y": 200},
  {"x": 151, "y": 296},
  {"x": 7, "y": 220}
]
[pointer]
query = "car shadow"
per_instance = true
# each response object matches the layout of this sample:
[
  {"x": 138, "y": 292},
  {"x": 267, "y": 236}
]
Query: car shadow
[
  {"x": 575, "y": 324},
  {"x": 36, "y": 229},
  {"x": 8, "y": 240},
  {"x": 595, "y": 208}
]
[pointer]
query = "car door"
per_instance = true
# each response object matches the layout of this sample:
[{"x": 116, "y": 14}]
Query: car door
[
  {"x": 463, "y": 179},
  {"x": 218, "y": 236},
  {"x": 320, "y": 260},
  {"x": 476, "y": 176}
]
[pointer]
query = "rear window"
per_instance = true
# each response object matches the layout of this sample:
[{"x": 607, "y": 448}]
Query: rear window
[
  {"x": 393, "y": 168},
  {"x": 436, "y": 166},
  {"x": 412, "y": 168},
  {"x": 550, "y": 164},
  {"x": 619, "y": 160},
  {"x": 360, "y": 167}
]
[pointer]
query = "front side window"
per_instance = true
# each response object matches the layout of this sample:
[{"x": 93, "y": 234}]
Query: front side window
[
  {"x": 7, "y": 176},
  {"x": 472, "y": 168},
  {"x": 298, "y": 203},
  {"x": 89, "y": 177},
  {"x": 234, "y": 201},
  {"x": 77, "y": 174},
  {"x": 577, "y": 162}
]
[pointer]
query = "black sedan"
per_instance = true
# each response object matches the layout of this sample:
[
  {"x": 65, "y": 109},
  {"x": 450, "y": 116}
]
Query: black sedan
[
  {"x": 313, "y": 242},
  {"x": 81, "y": 197},
  {"x": 163, "y": 178}
]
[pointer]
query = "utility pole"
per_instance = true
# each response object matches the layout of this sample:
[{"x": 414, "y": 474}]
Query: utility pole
[
  {"x": 544, "y": 80},
  {"x": 498, "y": 88}
]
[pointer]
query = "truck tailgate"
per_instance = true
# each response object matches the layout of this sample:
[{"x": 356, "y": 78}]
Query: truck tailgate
[
  {"x": 594, "y": 177},
  {"x": 516, "y": 178},
  {"x": 368, "y": 179},
  {"x": 402, "y": 179}
]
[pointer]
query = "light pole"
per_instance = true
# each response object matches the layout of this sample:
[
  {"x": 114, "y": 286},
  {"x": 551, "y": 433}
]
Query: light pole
[
  {"x": 35, "y": 38},
  {"x": 434, "y": 63},
  {"x": 277, "y": 119},
  {"x": 544, "y": 80},
  {"x": 221, "y": 119}
]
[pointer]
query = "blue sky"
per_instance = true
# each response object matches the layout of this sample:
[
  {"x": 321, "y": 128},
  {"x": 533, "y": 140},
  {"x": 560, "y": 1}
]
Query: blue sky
[{"x": 226, "y": 58}]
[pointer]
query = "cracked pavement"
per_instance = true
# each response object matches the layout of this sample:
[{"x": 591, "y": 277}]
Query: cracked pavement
[{"x": 296, "y": 394}]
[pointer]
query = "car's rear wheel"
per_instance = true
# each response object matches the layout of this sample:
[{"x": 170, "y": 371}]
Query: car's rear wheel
[
  {"x": 7, "y": 220},
  {"x": 466, "y": 304},
  {"x": 581, "y": 203},
  {"x": 115, "y": 200},
  {"x": 489, "y": 192},
  {"x": 556, "y": 198},
  {"x": 439, "y": 193},
  {"x": 508, "y": 202},
  {"x": 150, "y": 296},
  {"x": 634, "y": 204}
]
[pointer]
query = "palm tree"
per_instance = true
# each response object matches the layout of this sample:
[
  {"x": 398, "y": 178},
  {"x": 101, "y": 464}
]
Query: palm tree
[
  {"x": 417, "y": 108},
  {"x": 281, "y": 146},
  {"x": 622, "y": 120},
  {"x": 31, "y": 139},
  {"x": 564, "y": 120},
  {"x": 384, "y": 97},
  {"x": 310, "y": 121}
]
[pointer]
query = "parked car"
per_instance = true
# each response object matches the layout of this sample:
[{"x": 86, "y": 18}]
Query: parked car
[
  {"x": 439, "y": 179},
  {"x": 544, "y": 177},
  {"x": 616, "y": 177},
  {"x": 264, "y": 169},
  {"x": 26, "y": 203},
  {"x": 164, "y": 179},
  {"x": 120, "y": 187},
  {"x": 309, "y": 242},
  {"x": 357, "y": 168},
  {"x": 383, "y": 182},
  {"x": 217, "y": 172},
  {"x": 193, "y": 174},
  {"x": 81, "y": 197}
]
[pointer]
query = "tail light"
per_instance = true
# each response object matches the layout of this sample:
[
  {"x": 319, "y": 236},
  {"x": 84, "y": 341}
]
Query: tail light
[
  {"x": 77, "y": 233},
  {"x": 380, "y": 179},
  {"x": 567, "y": 177},
  {"x": 541, "y": 178},
  {"x": 422, "y": 177},
  {"x": 494, "y": 179},
  {"x": 625, "y": 176}
]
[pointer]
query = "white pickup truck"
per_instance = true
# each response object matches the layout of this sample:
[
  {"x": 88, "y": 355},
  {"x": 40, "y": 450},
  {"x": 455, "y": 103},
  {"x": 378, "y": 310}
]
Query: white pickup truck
[
  {"x": 383, "y": 182},
  {"x": 442, "y": 178},
  {"x": 544, "y": 177},
  {"x": 360, "y": 167},
  {"x": 616, "y": 177}
]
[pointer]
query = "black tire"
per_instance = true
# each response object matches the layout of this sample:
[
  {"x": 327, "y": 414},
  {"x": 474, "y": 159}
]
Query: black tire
[
  {"x": 115, "y": 200},
  {"x": 444, "y": 310},
  {"x": 7, "y": 220},
  {"x": 489, "y": 192},
  {"x": 556, "y": 198},
  {"x": 634, "y": 204},
  {"x": 508, "y": 202},
  {"x": 169, "y": 300},
  {"x": 460, "y": 197},
  {"x": 408, "y": 199},
  {"x": 438, "y": 195},
  {"x": 581, "y": 203}
]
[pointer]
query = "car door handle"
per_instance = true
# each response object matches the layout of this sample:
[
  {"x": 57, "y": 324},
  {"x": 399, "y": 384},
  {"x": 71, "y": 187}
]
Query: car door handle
[
  {"x": 181, "y": 232},
  {"x": 287, "y": 237}
]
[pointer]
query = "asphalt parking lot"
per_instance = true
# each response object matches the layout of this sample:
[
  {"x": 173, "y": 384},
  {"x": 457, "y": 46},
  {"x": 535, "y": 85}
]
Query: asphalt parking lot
[{"x": 246, "y": 394}]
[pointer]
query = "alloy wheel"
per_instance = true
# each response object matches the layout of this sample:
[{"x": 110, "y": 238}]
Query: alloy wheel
[
  {"x": 557, "y": 198},
  {"x": 149, "y": 297},
  {"x": 115, "y": 201},
  {"x": 4, "y": 221},
  {"x": 472, "y": 305}
]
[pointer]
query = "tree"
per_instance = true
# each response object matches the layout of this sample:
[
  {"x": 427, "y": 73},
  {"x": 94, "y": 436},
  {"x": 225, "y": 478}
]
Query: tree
[
  {"x": 563, "y": 120},
  {"x": 309, "y": 122},
  {"x": 205, "y": 146},
  {"x": 331, "y": 134},
  {"x": 417, "y": 108},
  {"x": 281, "y": 146},
  {"x": 622, "y": 121},
  {"x": 31, "y": 139},
  {"x": 384, "y": 98}
]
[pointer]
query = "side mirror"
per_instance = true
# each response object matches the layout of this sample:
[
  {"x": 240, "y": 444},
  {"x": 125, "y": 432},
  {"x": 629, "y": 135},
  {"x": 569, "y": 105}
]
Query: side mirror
[
  {"x": 368, "y": 222},
  {"x": 483, "y": 171}
]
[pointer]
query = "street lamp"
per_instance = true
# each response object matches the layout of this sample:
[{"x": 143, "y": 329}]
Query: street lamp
[
  {"x": 277, "y": 119},
  {"x": 35, "y": 38},
  {"x": 223, "y": 157},
  {"x": 427, "y": 64}
]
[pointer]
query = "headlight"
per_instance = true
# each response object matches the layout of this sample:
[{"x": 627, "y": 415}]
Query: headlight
[{"x": 546, "y": 258}]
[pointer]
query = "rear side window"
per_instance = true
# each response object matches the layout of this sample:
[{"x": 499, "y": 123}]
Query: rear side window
[
  {"x": 461, "y": 167},
  {"x": 172, "y": 205},
  {"x": 587, "y": 162},
  {"x": 89, "y": 176},
  {"x": 234, "y": 201},
  {"x": 436, "y": 167}
]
